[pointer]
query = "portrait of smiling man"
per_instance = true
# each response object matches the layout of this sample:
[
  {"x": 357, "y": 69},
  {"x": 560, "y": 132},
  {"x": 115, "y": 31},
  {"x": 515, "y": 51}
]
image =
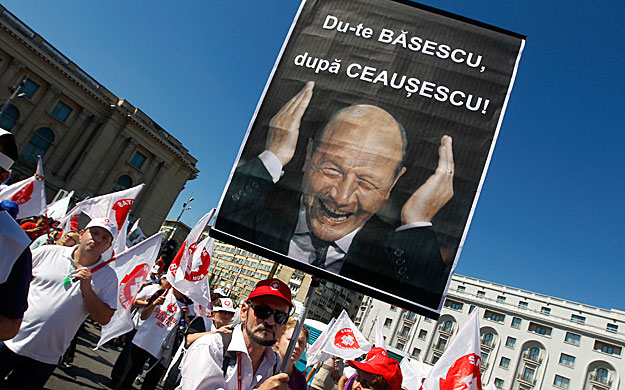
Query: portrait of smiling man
[{"x": 330, "y": 220}]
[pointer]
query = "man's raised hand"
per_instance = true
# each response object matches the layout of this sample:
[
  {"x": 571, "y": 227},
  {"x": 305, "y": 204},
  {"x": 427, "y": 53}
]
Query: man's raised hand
[
  {"x": 284, "y": 126},
  {"x": 428, "y": 199}
]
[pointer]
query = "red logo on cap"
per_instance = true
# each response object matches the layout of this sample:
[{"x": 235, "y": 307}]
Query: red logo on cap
[
  {"x": 464, "y": 374},
  {"x": 226, "y": 303},
  {"x": 24, "y": 194},
  {"x": 122, "y": 208},
  {"x": 131, "y": 283},
  {"x": 345, "y": 339}
]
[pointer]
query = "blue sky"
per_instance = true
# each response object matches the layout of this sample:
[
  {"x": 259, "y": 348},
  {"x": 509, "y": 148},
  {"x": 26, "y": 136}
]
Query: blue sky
[{"x": 548, "y": 219}]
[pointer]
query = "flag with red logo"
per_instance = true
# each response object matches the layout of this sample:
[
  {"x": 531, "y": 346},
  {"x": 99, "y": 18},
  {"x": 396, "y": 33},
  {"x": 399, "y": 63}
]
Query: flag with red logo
[
  {"x": 459, "y": 366},
  {"x": 132, "y": 268},
  {"x": 115, "y": 206},
  {"x": 72, "y": 216},
  {"x": 188, "y": 270},
  {"x": 57, "y": 210},
  {"x": 29, "y": 194},
  {"x": 345, "y": 340}
]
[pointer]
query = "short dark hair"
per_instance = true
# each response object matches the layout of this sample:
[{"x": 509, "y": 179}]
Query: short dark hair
[{"x": 8, "y": 146}]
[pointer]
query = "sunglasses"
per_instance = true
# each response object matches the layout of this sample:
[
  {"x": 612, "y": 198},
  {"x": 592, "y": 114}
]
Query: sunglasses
[{"x": 263, "y": 312}]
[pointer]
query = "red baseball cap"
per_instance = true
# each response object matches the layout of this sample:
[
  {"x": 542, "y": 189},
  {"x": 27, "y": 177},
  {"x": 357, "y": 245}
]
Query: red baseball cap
[
  {"x": 379, "y": 363},
  {"x": 274, "y": 287}
]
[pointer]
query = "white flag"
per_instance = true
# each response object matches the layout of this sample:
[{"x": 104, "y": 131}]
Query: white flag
[
  {"x": 413, "y": 373},
  {"x": 13, "y": 241},
  {"x": 459, "y": 367},
  {"x": 29, "y": 194},
  {"x": 379, "y": 338},
  {"x": 188, "y": 270},
  {"x": 57, "y": 210},
  {"x": 313, "y": 353},
  {"x": 132, "y": 267},
  {"x": 346, "y": 341},
  {"x": 115, "y": 206},
  {"x": 65, "y": 223}
]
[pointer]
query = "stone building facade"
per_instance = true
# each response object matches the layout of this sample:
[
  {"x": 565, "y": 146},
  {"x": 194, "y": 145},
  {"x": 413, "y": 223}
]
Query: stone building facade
[
  {"x": 91, "y": 141},
  {"x": 529, "y": 340}
]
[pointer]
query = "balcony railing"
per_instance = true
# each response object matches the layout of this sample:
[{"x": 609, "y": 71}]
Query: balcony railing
[
  {"x": 601, "y": 381},
  {"x": 526, "y": 379},
  {"x": 531, "y": 357}
]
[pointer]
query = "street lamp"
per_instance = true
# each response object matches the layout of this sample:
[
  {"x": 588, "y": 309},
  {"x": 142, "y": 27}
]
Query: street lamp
[
  {"x": 16, "y": 94},
  {"x": 184, "y": 207}
]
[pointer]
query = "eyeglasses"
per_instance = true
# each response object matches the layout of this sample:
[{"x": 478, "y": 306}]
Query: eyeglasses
[{"x": 263, "y": 312}]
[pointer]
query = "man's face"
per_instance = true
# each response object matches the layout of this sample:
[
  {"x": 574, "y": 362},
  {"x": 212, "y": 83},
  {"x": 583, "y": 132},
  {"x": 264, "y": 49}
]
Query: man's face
[
  {"x": 222, "y": 318},
  {"x": 352, "y": 172},
  {"x": 68, "y": 239},
  {"x": 95, "y": 240},
  {"x": 263, "y": 331}
]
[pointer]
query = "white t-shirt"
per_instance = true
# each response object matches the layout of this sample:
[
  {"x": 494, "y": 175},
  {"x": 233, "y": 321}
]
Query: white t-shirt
[
  {"x": 56, "y": 310},
  {"x": 153, "y": 331},
  {"x": 143, "y": 295}
]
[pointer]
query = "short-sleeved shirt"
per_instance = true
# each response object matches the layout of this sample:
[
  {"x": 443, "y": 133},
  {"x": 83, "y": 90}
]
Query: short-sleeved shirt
[
  {"x": 56, "y": 309},
  {"x": 323, "y": 379},
  {"x": 297, "y": 380},
  {"x": 201, "y": 366},
  {"x": 16, "y": 286}
]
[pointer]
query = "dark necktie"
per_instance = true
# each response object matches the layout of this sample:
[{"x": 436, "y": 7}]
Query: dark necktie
[{"x": 321, "y": 250}]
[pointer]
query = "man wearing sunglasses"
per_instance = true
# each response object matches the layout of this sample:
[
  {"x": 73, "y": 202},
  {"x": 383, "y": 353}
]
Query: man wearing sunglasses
[{"x": 249, "y": 362}]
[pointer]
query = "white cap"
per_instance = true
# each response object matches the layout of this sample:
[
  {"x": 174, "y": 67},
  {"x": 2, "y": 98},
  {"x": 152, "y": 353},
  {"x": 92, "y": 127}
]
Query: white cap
[
  {"x": 5, "y": 161},
  {"x": 104, "y": 223},
  {"x": 226, "y": 305},
  {"x": 220, "y": 291}
]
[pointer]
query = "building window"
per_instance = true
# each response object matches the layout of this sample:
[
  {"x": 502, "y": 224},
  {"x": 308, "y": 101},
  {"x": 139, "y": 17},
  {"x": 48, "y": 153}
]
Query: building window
[
  {"x": 471, "y": 308},
  {"x": 504, "y": 362},
  {"x": 498, "y": 383},
  {"x": 572, "y": 338},
  {"x": 435, "y": 358},
  {"x": 29, "y": 88},
  {"x": 61, "y": 111},
  {"x": 607, "y": 348},
  {"x": 422, "y": 334},
  {"x": 388, "y": 322},
  {"x": 488, "y": 339},
  {"x": 528, "y": 374},
  {"x": 577, "y": 318},
  {"x": 461, "y": 289},
  {"x": 493, "y": 316},
  {"x": 522, "y": 305},
  {"x": 448, "y": 326},
  {"x": 533, "y": 354},
  {"x": 38, "y": 145},
  {"x": 484, "y": 355},
  {"x": 416, "y": 352},
  {"x": 561, "y": 381},
  {"x": 405, "y": 331},
  {"x": 123, "y": 182},
  {"x": 510, "y": 341},
  {"x": 601, "y": 375},
  {"x": 393, "y": 308},
  {"x": 138, "y": 159},
  {"x": 9, "y": 117},
  {"x": 545, "y": 310},
  {"x": 516, "y": 322},
  {"x": 481, "y": 293},
  {"x": 441, "y": 344},
  {"x": 411, "y": 315},
  {"x": 567, "y": 360},
  {"x": 400, "y": 345},
  {"x": 613, "y": 328},
  {"x": 454, "y": 305},
  {"x": 539, "y": 329},
  {"x": 501, "y": 299}
]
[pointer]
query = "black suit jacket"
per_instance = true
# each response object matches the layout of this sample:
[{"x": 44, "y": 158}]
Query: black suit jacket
[{"x": 407, "y": 263}]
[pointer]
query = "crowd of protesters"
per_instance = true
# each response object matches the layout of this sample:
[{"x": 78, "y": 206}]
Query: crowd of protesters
[{"x": 54, "y": 288}]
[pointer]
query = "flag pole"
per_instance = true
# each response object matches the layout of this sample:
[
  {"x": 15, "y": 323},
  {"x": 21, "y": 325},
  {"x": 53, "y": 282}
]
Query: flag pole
[{"x": 314, "y": 283}]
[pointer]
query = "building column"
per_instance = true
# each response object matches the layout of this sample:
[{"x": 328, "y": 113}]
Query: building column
[
  {"x": 27, "y": 128},
  {"x": 131, "y": 145},
  {"x": 11, "y": 71},
  {"x": 156, "y": 166},
  {"x": 68, "y": 140},
  {"x": 79, "y": 147}
]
